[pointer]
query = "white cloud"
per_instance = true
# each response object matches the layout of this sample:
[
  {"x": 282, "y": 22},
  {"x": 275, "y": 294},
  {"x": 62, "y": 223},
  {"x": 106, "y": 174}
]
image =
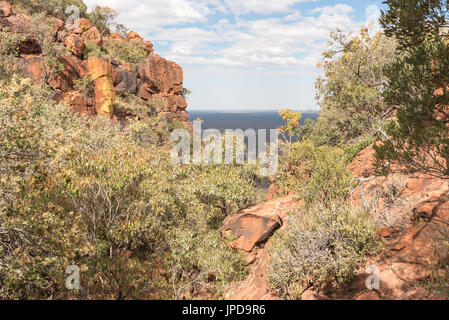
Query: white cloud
[
  {"x": 332, "y": 10},
  {"x": 149, "y": 15},
  {"x": 240, "y": 7}
]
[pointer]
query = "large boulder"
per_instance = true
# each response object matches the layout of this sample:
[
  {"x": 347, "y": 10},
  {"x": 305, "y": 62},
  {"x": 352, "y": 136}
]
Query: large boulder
[
  {"x": 101, "y": 73},
  {"x": 82, "y": 25},
  {"x": 161, "y": 75},
  {"x": 32, "y": 67},
  {"x": 18, "y": 23},
  {"x": 133, "y": 36},
  {"x": 75, "y": 44},
  {"x": 124, "y": 81},
  {"x": 5, "y": 9},
  {"x": 93, "y": 36},
  {"x": 251, "y": 229},
  {"x": 74, "y": 69},
  {"x": 77, "y": 101}
]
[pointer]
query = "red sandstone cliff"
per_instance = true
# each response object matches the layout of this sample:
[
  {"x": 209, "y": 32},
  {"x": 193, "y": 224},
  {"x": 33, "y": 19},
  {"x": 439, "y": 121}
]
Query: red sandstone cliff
[{"x": 155, "y": 79}]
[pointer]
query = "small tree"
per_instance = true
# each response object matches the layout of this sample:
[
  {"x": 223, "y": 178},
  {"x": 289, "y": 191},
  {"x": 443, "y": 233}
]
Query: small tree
[
  {"x": 350, "y": 91},
  {"x": 102, "y": 18},
  {"x": 418, "y": 138}
]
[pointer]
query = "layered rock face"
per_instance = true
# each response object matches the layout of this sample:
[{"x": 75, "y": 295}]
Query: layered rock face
[
  {"x": 163, "y": 80},
  {"x": 157, "y": 81},
  {"x": 101, "y": 74}
]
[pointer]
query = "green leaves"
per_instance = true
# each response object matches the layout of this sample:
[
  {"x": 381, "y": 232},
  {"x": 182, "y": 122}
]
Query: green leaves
[
  {"x": 314, "y": 173},
  {"x": 322, "y": 245},
  {"x": 350, "y": 92},
  {"x": 418, "y": 86}
]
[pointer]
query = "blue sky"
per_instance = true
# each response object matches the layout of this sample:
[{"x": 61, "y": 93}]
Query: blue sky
[{"x": 246, "y": 55}]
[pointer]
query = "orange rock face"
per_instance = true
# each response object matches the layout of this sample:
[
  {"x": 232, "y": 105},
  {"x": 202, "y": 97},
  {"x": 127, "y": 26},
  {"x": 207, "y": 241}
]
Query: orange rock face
[
  {"x": 115, "y": 36},
  {"x": 101, "y": 72},
  {"x": 33, "y": 67},
  {"x": 75, "y": 44},
  {"x": 74, "y": 69},
  {"x": 77, "y": 101},
  {"x": 133, "y": 36},
  {"x": 163, "y": 79},
  {"x": 82, "y": 25},
  {"x": 5, "y": 9},
  {"x": 93, "y": 36}
]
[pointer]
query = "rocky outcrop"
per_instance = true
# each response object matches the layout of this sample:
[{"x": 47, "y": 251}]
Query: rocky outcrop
[
  {"x": 22, "y": 25},
  {"x": 413, "y": 213},
  {"x": 251, "y": 229},
  {"x": 133, "y": 36},
  {"x": 5, "y": 9},
  {"x": 254, "y": 227},
  {"x": 158, "y": 82},
  {"x": 78, "y": 102},
  {"x": 163, "y": 80},
  {"x": 75, "y": 44},
  {"x": 100, "y": 72},
  {"x": 125, "y": 80}
]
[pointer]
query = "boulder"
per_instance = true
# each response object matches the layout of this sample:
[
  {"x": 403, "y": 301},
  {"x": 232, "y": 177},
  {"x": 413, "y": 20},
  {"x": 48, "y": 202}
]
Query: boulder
[
  {"x": 133, "y": 36},
  {"x": 251, "y": 229},
  {"x": 56, "y": 25},
  {"x": 32, "y": 67},
  {"x": 74, "y": 69},
  {"x": 148, "y": 46},
  {"x": 19, "y": 23},
  {"x": 93, "y": 36},
  {"x": 101, "y": 72},
  {"x": 75, "y": 44},
  {"x": 115, "y": 36},
  {"x": 5, "y": 9},
  {"x": 82, "y": 25},
  {"x": 76, "y": 101},
  {"x": 161, "y": 75},
  {"x": 124, "y": 81}
]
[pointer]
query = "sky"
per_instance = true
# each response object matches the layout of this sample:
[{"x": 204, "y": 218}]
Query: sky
[{"x": 244, "y": 54}]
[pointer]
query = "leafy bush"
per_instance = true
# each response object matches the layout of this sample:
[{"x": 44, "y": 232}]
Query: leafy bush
[
  {"x": 8, "y": 51},
  {"x": 323, "y": 245},
  {"x": 350, "y": 92},
  {"x": 79, "y": 190},
  {"x": 55, "y": 8},
  {"x": 121, "y": 51},
  {"x": 313, "y": 173},
  {"x": 353, "y": 149}
]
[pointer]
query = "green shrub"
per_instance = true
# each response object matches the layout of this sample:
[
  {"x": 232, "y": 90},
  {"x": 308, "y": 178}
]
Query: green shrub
[
  {"x": 121, "y": 51},
  {"x": 55, "y": 8},
  {"x": 350, "y": 91},
  {"x": 314, "y": 173},
  {"x": 76, "y": 190},
  {"x": 323, "y": 245},
  {"x": 353, "y": 149}
]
